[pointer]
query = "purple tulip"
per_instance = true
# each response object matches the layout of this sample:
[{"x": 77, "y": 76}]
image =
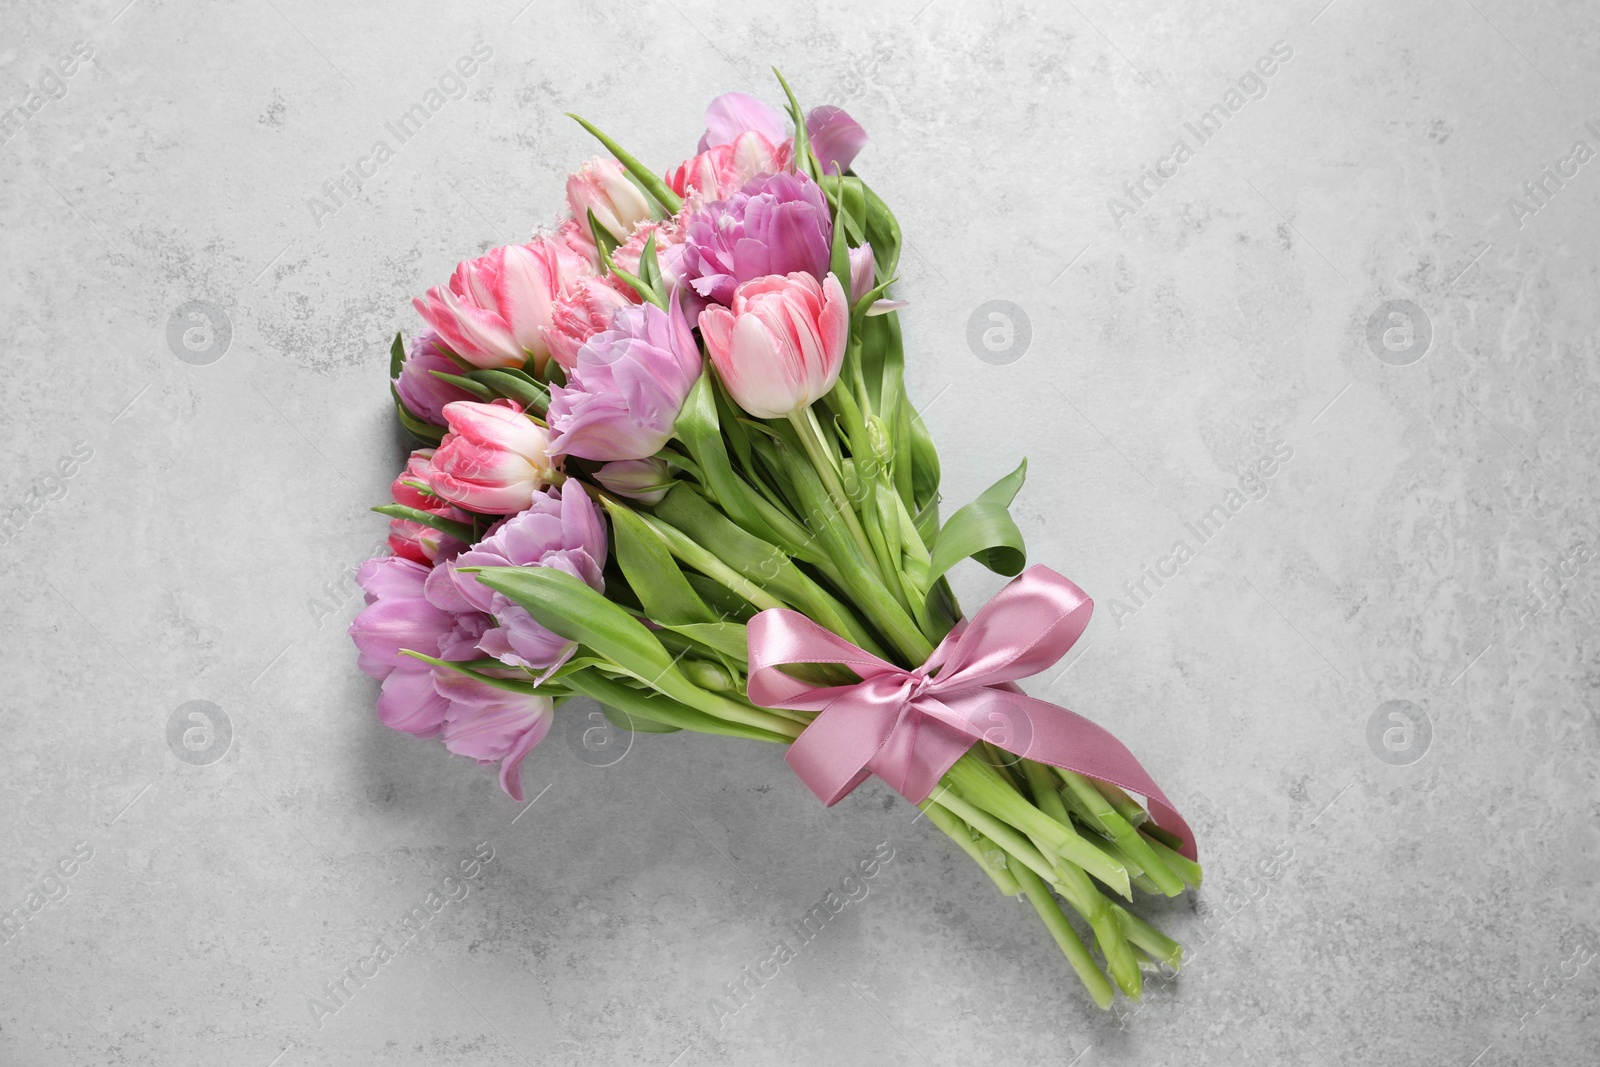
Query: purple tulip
[
  {"x": 560, "y": 530},
  {"x": 836, "y": 138},
  {"x": 424, "y": 394},
  {"x": 627, "y": 387},
  {"x": 492, "y": 725},
  {"x": 776, "y": 224},
  {"x": 397, "y": 616}
]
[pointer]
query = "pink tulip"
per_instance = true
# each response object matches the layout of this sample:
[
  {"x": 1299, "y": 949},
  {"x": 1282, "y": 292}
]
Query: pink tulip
[
  {"x": 497, "y": 307},
  {"x": 578, "y": 316},
  {"x": 493, "y": 459},
  {"x": 732, "y": 114},
  {"x": 780, "y": 346},
  {"x": 719, "y": 171},
  {"x": 835, "y": 137},
  {"x": 414, "y": 540},
  {"x": 603, "y": 187}
]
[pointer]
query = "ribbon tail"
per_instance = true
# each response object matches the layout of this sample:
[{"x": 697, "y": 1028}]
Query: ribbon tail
[{"x": 1049, "y": 733}]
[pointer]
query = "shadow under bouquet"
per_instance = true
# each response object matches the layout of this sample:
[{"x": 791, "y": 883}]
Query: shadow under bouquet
[{"x": 670, "y": 465}]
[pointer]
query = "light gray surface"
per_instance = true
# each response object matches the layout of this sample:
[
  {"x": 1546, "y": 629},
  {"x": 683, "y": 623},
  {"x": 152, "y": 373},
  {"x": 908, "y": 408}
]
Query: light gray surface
[{"x": 204, "y": 551}]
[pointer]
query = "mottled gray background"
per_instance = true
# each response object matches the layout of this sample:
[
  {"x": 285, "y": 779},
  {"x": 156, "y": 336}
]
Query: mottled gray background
[{"x": 1436, "y": 905}]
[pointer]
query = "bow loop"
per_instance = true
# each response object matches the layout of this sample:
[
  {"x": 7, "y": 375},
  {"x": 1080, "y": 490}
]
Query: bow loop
[{"x": 909, "y": 726}]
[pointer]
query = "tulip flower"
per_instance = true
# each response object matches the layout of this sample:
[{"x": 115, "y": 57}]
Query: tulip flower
[
  {"x": 397, "y": 616},
  {"x": 492, "y": 725},
  {"x": 626, "y": 387},
  {"x": 779, "y": 348},
  {"x": 644, "y": 480},
  {"x": 863, "y": 279},
  {"x": 497, "y": 307},
  {"x": 414, "y": 540},
  {"x": 585, "y": 311},
  {"x": 836, "y": 138},
  {"x": 720, "y": 170},
  {"x": 424, "y": 394},
  {"x": 493, "y": 459},
  {"x": 559, "y": 529},
  {"x": 603, "y": 187},
  {"x": 732, "y": 114},
  {"x": 776, "y": 224}
]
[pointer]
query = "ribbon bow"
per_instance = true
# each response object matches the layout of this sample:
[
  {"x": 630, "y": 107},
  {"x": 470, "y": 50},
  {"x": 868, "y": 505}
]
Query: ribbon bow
[{"x": 909, "y": 726}]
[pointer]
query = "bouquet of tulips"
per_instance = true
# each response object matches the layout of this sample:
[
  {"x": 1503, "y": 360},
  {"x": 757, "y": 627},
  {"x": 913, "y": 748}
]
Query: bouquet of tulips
[{"x": 669, "y": 464}]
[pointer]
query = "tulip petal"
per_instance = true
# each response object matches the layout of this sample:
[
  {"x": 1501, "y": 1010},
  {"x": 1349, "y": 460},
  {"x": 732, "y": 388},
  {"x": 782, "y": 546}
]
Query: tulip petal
[
  {"x": 836, "y": 138},
  {"x": 731, "y": 114}
]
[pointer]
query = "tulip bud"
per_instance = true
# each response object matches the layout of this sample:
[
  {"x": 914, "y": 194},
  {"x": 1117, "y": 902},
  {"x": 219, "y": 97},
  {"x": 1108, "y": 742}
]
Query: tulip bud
[
  {"x": 413, "y": 540},
  {"x": 424, "y": 393},
  {"x": 493, "y": 459},
  {"x": 644, "y": 480},
  {"x": 779, "y": 348},
  {"x": 603, "y": 187},
  {"x": 863, "y": 275}
]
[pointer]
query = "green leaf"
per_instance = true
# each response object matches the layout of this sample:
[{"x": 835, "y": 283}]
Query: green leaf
[
  {"x": 882, "y": 230},
  {"x": 649, "y": 267},
  {"x": 635, "y": 724},
  {"x": 514, "y": 386},
  {"x": 511, "y": 685},
  {"x": 648, "y": 179},
  {"x": 720, "y": 599},
  {"x": 661, "y": 709},
  {"x": 645, "y": 290},
  {"x": 604, "y": 240},
  {"x": 985, "y": 531},
  {"x": 423, "y": 431},
  {"x": 459, "y": 530},
  {"x": 397, "y": 356},
  {"x": 701, "y": 433},
  {"x": 727, "y": 638},
  {"x": 569, "y": 607},
  {"x": 482, "y": 392},
  {"x": 804, "y": 158},
  {"x": 664, "y": 593}
]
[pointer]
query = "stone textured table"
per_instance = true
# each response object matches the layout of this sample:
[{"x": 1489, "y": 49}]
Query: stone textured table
[{"x": 1291, "y": 310}]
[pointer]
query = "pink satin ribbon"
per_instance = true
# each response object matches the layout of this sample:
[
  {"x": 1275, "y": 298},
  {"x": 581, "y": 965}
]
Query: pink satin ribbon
[{"x": 908, "y": 726}]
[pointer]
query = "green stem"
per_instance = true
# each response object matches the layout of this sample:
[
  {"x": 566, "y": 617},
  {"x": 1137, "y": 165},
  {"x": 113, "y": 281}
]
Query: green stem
[
  {"x": 1105, "y": 818},
  {"x": 1002, "y": 877},
  {"x": 982, "y": 785},
  {"x": 690, "y": 552},
  {"x": 817, "y": 451},
  {"x": 1067, "y": 938}
]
